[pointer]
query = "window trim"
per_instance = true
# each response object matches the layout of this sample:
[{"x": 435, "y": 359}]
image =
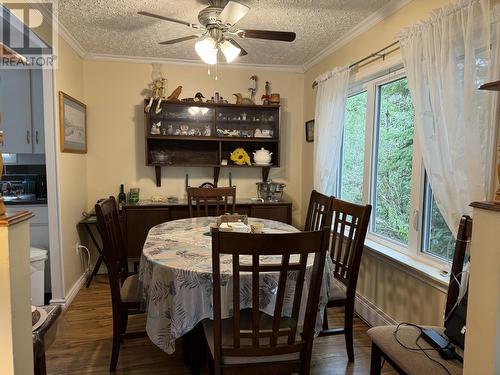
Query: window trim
[{"x": 416, "y": 219}]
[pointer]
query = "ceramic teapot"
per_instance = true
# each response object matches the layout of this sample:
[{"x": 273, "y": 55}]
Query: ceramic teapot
[{"x": 262, "y": 156}]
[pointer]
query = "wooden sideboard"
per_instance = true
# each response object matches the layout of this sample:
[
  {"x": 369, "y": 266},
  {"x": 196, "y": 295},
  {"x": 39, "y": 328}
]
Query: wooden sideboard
[{"x": 140, "y": 218}]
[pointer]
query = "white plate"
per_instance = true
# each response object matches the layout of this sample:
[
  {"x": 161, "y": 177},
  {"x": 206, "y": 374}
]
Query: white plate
[{"x": 43, "y": 317}]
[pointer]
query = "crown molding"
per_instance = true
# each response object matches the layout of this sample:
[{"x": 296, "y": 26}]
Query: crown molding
[
  {"x": 75, "y": 44},
  {"x": 187, "y": 62},
  {"x": 356, "y": 31}
]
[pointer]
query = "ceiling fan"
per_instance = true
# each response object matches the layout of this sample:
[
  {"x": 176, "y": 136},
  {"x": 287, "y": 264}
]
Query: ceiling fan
[{"x": 217, "y": 30}]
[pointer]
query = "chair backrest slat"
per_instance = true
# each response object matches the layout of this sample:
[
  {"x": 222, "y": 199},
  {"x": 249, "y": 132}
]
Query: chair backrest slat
[
  {"x": 280, "y": 294},
  {"x": 206, "y": 197},
  {"x": 255, "y": 300},
  {"x": 262, "y": 335},
  {"x": 350, "y": 224},
  {"x": 236, "y": 301},
  {"x": 319, "y": 212}
]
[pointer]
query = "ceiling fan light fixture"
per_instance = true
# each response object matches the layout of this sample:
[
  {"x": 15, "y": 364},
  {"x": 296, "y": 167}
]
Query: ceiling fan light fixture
[
  {"x": 229, "y": 50},
  {"x": 206, "y": 48}
]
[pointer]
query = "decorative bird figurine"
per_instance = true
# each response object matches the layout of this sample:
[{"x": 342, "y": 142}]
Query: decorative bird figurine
[
  {"x": 241, "y": 100},
  {"x": 174, "y": 96},
  {"x": 199, "y": 97},
  {"x": 252, "y": 88},
  {"x": 266, "y": 98}
]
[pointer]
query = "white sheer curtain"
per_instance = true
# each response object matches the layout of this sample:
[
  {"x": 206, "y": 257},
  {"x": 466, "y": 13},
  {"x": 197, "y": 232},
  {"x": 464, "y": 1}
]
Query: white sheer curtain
[
  {"x": 446, "y": 59},
  {"x": 329, "y": 125}
]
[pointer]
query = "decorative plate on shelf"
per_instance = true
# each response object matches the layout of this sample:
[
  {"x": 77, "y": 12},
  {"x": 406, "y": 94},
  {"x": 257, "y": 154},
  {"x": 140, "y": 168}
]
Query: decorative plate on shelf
[{"x": 38, "y": 317}]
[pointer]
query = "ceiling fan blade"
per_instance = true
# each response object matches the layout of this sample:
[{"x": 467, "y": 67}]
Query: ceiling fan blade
[
  {"x": 233, "y": 12},
  {"x": 283, "y": 36},
  {"x": 178, "y": 40},
  {"x": 236, "y": 44},
  {"x": 168, "y": 19}
]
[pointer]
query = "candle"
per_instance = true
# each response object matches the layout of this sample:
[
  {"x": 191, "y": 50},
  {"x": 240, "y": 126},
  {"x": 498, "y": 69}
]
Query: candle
[
  {"x": 187, "y": 182},
  {"x": 230, "y": 180}
]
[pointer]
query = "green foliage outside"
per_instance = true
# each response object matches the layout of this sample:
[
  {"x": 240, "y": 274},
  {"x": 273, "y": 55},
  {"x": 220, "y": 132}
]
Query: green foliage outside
[
  {"x": 353, "y": 154},
  {"x": 394, "y": 161},
  {"x": 441, "y": 242}
]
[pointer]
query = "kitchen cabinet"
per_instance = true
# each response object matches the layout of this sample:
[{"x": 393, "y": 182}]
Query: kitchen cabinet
[
  {"x": 15, "y": 106},
  {"x": 37, "y": 115},
  {"x": 21, "y": 105}
]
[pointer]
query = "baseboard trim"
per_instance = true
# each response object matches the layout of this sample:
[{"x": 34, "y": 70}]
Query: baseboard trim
[
  {"x": 371, "y": 314},
  {"x": 66, "y": 301}
]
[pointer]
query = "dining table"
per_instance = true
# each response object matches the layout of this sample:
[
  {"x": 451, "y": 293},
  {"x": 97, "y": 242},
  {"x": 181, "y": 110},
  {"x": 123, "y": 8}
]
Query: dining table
[{"x": 175, "y": 277}]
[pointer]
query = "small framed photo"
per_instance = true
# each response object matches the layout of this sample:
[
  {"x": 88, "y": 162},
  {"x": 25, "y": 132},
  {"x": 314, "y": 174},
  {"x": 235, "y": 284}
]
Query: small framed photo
[
  {"x": 72, "y": 124},
  {"x": 310, "y": 131}
]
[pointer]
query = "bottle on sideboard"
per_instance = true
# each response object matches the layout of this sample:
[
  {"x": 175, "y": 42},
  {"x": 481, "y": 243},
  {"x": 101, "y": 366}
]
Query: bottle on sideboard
[{"x": 122, "y": 197}]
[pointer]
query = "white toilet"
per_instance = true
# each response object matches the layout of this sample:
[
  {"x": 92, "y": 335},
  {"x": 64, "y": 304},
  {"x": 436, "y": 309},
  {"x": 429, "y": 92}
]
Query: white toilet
[{"x": 38, "y": 258}]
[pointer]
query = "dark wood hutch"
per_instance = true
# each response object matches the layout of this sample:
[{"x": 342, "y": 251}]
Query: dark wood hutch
[{"x": 196, "y": 134}]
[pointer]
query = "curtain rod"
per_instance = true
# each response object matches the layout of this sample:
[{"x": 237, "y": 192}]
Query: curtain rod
[{"x": 370, "y": 56}]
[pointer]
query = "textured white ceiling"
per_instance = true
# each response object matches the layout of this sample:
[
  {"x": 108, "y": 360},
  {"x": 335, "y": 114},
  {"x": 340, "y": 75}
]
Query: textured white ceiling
[{"x": 114, "y": 27}]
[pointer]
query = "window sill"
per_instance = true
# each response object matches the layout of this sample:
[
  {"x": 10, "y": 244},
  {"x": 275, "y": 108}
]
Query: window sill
[{"x": 423, "y": 271}]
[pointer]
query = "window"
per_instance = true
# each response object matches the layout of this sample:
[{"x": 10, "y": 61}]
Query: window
[
  {"x": 353, "y": 148},
  {"x": 381, "y": 164},
  {"x": 437, "y": 239},
  {"x": 393, "y": 161}
]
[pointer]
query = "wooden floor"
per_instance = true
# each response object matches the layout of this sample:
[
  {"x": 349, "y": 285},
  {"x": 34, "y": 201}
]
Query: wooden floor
[{"x": 83, "y": 343}]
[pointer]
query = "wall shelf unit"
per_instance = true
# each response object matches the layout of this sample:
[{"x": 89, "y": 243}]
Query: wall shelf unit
[{"x": 195, "y": 134}]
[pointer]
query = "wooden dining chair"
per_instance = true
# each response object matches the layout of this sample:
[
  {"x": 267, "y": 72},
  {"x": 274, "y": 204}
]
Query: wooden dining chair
[
  {"x": 386, "y": 346},
  {"x": 125, "y": 293},
  {"x": 319, "y": 212},
  {"x": 350, "y": 224},
  {"x": 222, "y": 199},
  {"x": 252, "y": 342}
]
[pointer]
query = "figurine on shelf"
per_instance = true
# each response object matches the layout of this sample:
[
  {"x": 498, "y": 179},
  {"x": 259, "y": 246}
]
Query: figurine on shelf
[
  {"x": 240, "y": 157},
  {"x": 267, "y": 95},
  {"x": 184, "y": 129},
  {"x": 208, "y": 131},
  {"x": 252, "y": 89},
  {"x": 241, "y": 100},
  {"x": 174, "y": 96},
  {"x": 155, "y": 128},
  {"x": 170, "y": 130},
  {"x": 158, "y": 88},
  {"x": 199, "y": 97},
  {"x": 188, "y": 100}
]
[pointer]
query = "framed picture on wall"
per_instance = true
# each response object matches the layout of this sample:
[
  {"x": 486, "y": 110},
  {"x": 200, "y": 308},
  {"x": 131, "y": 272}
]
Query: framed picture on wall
[
  {"x": 72, "y": 124},
  {"x": 310, "y": 131}
]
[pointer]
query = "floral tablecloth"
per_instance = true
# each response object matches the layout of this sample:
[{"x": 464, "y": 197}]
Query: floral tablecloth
[{"x": 176, "y": 279}]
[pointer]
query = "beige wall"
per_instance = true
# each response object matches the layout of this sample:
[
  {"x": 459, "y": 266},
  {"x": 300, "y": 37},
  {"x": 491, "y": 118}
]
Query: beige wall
[
  {"x": 114, "y": 94},
  {"x": 72, "y": 168},
  {"x": 397, "y": 293}
]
